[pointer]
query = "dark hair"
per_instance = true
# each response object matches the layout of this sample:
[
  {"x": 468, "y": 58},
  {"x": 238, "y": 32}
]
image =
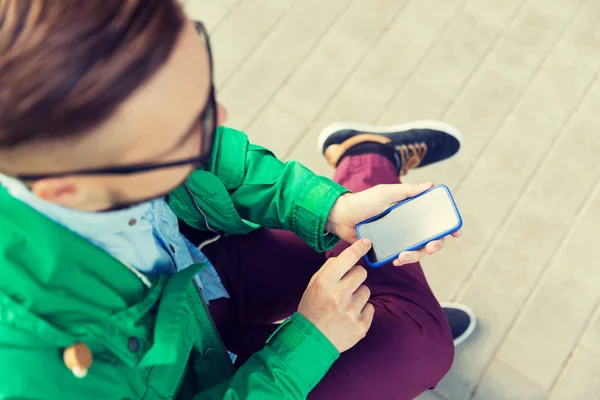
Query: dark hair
[{"x": 66, "y": 65}]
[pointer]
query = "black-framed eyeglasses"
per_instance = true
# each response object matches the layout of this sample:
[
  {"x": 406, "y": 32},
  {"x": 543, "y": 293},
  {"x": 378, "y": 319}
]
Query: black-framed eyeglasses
[{"x": 207, "y": 120}]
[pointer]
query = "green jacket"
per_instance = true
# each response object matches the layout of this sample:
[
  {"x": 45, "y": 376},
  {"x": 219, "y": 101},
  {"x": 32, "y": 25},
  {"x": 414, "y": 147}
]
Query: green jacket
[{"x": 57, "y": 289}]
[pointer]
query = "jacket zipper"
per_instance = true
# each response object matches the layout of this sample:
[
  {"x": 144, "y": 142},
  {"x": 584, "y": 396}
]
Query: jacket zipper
[
  {"x": 199, "y": 290},
  {"x": 214, "y": 327}
]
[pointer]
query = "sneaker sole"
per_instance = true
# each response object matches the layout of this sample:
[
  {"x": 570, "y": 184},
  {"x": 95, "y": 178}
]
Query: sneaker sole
[
  {"x": 421, "y": 124},
  {"x": 471, "y": 328}
]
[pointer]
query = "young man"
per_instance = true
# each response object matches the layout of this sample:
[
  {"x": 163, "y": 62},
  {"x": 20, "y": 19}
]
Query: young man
[{"x": 110, "y": 146}]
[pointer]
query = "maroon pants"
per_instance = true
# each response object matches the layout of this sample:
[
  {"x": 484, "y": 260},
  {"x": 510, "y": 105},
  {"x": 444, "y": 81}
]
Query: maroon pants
[{"x": 409, "y": 346}]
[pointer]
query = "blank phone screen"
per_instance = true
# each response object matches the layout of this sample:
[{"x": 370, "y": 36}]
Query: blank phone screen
[{"x": 414, "y": 222}]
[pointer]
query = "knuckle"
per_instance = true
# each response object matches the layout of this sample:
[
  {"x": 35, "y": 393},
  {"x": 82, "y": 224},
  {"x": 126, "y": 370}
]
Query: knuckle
[
  {"x": 336, "y": 302},
  {"x": 361, "y": 272},
  {"x": 356, "y": 248},
  {"x": 319, "y": 284},
  {"x": 358, "y": 274},
  {"x": 318, "y": 281},
  {"x": 366, "y": 291},
  {"x": 329, "y": 261},
  {"x": 352, "y": 311}
]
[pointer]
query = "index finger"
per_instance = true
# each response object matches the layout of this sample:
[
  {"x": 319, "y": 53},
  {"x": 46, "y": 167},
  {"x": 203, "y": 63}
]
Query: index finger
[{"x": 348, "y": 259}]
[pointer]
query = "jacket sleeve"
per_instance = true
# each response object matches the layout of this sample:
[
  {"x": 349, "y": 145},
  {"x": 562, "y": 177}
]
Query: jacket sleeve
[
  {"x": 272, "y": 193},
  {"x": 294, "y": 360},
  {"x": 290, "y": 365}
]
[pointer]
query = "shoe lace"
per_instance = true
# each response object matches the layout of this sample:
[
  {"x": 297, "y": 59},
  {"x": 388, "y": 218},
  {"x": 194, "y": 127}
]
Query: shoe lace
[{"x": 411, "y": 156}]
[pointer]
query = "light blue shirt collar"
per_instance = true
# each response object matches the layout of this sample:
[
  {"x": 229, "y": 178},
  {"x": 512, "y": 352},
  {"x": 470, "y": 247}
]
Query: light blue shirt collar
[{"x": 84, "y": 223}]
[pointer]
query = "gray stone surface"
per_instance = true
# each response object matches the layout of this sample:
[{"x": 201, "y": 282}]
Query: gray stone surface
[{"x": 580, "y": 380}]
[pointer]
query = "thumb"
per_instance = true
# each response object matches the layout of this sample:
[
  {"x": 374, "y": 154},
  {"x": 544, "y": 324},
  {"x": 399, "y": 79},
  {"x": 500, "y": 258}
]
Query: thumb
[{"x": 403, "y": 191}]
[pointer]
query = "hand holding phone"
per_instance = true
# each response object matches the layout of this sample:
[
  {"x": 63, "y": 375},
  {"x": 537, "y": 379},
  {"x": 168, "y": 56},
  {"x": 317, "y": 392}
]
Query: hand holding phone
[{"x": 410, "y": 225}]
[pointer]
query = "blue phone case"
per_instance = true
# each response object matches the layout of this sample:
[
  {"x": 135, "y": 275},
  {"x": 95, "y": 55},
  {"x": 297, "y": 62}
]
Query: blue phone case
[{"x": 420, "y": 244}]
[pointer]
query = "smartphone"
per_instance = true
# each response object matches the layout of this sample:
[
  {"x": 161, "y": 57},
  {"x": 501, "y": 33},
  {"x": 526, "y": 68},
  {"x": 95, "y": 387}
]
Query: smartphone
[{"x": 410, "y": 225}]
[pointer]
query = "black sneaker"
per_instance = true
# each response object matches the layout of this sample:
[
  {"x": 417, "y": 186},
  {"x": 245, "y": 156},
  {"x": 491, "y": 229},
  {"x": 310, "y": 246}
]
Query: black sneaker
[
  {"x": 412, "y": 145},
  {"x": 461, "y": 320}
]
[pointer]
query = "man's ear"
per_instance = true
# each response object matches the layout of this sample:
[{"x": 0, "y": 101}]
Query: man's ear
[{"x": 61, "y": 191}]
